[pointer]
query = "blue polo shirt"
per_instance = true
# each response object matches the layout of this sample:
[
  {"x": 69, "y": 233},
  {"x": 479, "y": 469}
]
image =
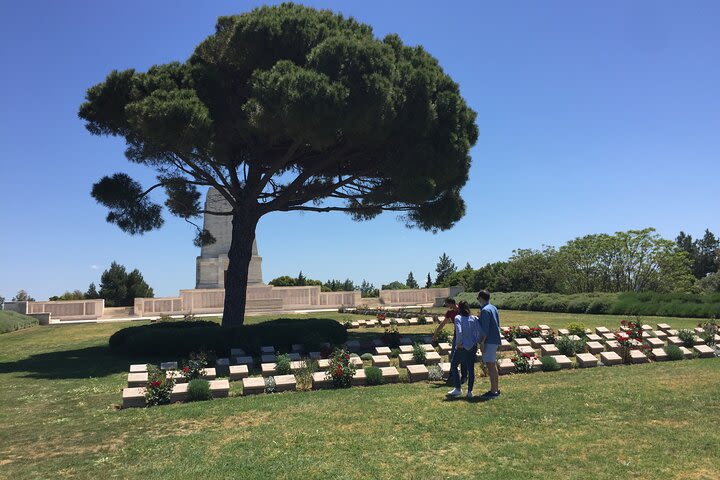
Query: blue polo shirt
[{"x": 490, "y": 324}]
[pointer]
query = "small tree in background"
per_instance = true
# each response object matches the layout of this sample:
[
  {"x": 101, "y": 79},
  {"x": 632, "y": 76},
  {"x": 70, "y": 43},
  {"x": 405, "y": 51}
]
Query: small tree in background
[
  {"x": 410, "y": 282},
  {"x": 301, "y": 281},
  {"x": 283, "y": 281},
  {"x": 287, "y": 108},
  {"x": 2, "y": 301},
  {"x": 368, "y": 290},
  {"x": 113, "y": 285},
  {"x": 428, "y": 282},
  {"x": 22, "y": 296},
  {"x": 445, "y": 267},
  {"x": 707, "y": 252},
  {"x": 119, "y": 289},
  {"x": 74, "y": 295},
  {"x": 92, "y": 292},
  {"x": 395, "y": 286},
  {"x": 137, "y": 287}
]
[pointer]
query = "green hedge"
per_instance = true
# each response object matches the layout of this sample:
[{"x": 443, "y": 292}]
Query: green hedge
[
  {"x": 648, "y": 303},
  {"x": 11, "y": 321},
  {"x": 180, "y": 338}
]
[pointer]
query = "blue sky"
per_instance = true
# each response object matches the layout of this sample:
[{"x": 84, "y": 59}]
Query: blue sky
[{"x": 593, "y": 118}]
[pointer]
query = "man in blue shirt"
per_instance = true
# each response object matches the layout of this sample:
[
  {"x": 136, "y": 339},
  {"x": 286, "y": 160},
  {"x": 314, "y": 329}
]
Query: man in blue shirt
[{"x": 489, "y": 340}]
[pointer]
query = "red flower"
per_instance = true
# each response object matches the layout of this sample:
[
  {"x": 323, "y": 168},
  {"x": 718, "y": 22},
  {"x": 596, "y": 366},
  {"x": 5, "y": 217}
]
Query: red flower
[
  {"x": 623, "y": 322},
  {"x": 185, "y": 370},
  {"x": 156, "y": 383}
]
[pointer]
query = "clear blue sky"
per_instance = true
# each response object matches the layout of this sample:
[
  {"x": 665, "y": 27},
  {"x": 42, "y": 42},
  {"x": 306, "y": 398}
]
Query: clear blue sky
[{"x": 593, "y": 118}]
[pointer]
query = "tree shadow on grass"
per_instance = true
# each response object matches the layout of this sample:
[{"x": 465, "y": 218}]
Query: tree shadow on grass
[{"x": 97, "y": 361}]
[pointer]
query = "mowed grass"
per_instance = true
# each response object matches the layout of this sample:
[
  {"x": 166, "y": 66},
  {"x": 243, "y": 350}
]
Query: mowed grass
[
  {"x": 11, "y": 321},
  {"x": 59, "y": 387}
]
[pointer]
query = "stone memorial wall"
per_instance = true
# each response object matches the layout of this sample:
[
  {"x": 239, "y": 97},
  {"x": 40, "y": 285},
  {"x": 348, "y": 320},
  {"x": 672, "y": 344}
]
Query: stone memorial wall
[{"x": 260, "y": 298}]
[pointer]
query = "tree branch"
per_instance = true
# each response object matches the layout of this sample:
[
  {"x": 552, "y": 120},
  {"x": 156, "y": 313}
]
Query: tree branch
[{"x": 275, "y": 166}]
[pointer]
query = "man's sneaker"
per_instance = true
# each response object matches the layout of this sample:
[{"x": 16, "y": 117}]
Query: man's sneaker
[
  {"x": 455, "y": 392},
  {"x": 470, "y": 395},
  {"x": 491, "y": 394}
]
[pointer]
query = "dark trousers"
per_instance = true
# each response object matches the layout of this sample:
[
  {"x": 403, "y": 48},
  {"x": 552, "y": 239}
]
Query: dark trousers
[
  {"x": 463, "y": 358},
  {"x": 463, "y": 367}
]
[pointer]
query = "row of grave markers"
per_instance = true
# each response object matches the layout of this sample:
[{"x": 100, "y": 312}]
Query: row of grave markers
[
  {"x": 386, "y": 322},
  {"x": 134, "y": 394}
]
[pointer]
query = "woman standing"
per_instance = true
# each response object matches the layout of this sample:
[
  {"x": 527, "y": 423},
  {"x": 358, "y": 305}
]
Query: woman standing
[{"x": 467, "y": 331}]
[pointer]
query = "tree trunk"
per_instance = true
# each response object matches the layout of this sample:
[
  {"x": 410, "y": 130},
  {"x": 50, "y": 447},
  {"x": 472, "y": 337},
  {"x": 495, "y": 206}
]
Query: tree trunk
[{"x": 239, "y": 256}]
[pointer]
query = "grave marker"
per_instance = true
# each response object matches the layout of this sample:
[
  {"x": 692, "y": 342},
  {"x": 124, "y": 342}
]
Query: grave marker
[
  {"x": 586, "y": 360},
  {"x": 133, "y": 397},
  {"x": 417, "y": 373},
  {"x": 380, "y": 361},
  {"x": 610, "y": 358}
]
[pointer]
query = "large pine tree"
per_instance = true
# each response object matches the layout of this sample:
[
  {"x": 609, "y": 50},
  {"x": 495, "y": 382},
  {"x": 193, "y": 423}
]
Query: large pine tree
[{"x": 287, "y": 108}]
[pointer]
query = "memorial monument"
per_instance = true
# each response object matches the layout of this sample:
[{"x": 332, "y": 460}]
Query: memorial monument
[{"x": 213, "y": 260}]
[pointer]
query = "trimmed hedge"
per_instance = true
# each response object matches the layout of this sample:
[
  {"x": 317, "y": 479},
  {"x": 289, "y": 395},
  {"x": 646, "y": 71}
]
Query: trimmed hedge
[
  {"x": 180, "y": 338},
  {"x": 646, "y": 304},
  {"x": 11, "y": 321}
]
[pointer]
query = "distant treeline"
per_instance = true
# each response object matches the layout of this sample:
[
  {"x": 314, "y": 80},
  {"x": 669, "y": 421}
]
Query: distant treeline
[
  {"x": 646, "y": 303},
  {"x": 632, "y": 261}
]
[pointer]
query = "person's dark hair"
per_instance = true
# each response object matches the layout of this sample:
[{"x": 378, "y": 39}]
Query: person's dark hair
[
  {"x": 464, "y": 308},
  {"x": 484, "y": 294},
  {"x": 449, "y": 301}
]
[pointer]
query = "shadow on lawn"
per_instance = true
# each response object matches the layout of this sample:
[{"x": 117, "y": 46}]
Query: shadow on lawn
[
  {"x": 67, "y": 364},
  {"x": 100, "y": 361}
]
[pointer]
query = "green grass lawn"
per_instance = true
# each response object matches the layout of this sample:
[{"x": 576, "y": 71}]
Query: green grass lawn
[
  {"x": 11, "y": 321},
  {"x": 59, "y": 386}
]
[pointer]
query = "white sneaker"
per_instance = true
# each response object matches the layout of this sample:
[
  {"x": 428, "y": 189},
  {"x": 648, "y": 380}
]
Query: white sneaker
[
  {"x": 455, "y": 392},
  {"x": 470, "y": 395}
]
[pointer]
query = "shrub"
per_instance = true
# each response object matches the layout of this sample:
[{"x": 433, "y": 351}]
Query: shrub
[
  {"x": 340, "y": 371},
  {"x": 687, "y": 337},
  {"x": 193, "y": 368},
  {"x": 549, "y": 364},
  {"x": 198, "y": 390},
  {"x": 630, "y": 339},
  {"x": 422, "y": 321},
  {"x": 568, "y": 346},
  {"x": 522, "y": 362},
  {"x": 11, "y": 321},
  {"x": 179, "y": 338},
  {"x": 435, "y": 373},
  {"x": 391, "y": 336},
  {"x": 158, "y": 388},
  {"x": 512, "y": 332},
  {"x": 674, "y": 352},
  {"x": 630, "y": 303},
  {"x": 282, "y": 365},
  {"x": 366, "y": 356},
  {"x": 395, "y": 352},
  {"x": 711, "y": 329},
  {"x": 311, "y": 342},
  {"x": 576, "y": 328},
  {"x": 374, "y": 376},
  {"x": 419, "y": 354},
  {"x": 599, "y": 306},
  {"x": 443, "y": 336},
  {"x": 269, "y": 384},
  {"x": 304, "y": 373}
]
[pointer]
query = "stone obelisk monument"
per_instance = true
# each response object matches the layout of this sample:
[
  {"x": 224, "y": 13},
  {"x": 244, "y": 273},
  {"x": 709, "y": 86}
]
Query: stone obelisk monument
[{"x": 213, "y": 260}]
